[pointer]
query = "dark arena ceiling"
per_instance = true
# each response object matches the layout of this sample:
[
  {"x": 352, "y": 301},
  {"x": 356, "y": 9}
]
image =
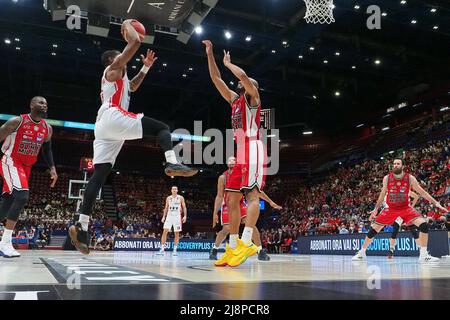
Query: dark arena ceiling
[{"x": 327, "y": 78}]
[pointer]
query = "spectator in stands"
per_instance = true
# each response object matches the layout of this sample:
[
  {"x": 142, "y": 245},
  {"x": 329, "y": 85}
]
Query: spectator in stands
[
  {"x": 42, "y": 239},
  {"x": 343, "y": 229}
]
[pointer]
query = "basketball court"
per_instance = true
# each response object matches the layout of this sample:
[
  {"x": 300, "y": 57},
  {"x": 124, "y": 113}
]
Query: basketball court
[{"x": 190, "y": 276}]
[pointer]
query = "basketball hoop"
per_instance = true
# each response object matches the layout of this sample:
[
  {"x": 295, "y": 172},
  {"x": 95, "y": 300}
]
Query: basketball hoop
[{"x": 319, "y": 11}]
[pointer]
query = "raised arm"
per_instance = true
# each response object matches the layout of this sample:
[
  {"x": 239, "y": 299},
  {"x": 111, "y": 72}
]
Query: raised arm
[
  {"x": 416, "y": 186},
  {"x": 148, "y": 61},
  {"x": 227, "y": 94},
  {"x": 9, "y": 127},
  {"x": 381, "y": 197},
  {"x": 219, "y": 199},
  {"x": 132, "y": 37},
  {"x": 249, "y": 85}
]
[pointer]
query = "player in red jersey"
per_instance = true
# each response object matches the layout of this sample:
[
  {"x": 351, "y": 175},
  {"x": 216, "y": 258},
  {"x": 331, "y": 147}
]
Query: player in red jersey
[
  {"x": 396, "y": 188},
  {"x": 248, "y": 175},
  {"x": 220, "y": 203},
  {"x": 23, "y": 137},
  {"x": 115, "y": 124}
]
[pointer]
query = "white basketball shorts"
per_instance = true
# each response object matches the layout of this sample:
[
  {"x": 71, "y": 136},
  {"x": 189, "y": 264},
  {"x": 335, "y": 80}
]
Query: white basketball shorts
[
  {"x": 113, "y": 127},
  {"x": 174, "y": 221}
]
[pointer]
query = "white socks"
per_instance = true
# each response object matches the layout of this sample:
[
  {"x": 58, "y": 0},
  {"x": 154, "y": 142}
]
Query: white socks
[
  {"x": 7, "y": 234},
  {"x": 217, "y": 248},
  {"x": 247, "y": 235},
  {"x": 84, "y": 220},
  {"x": 170, "y": 157},
  {"x": 423, "y": 251},
  {"x": 175, "y": 248},
  {"x": 259, "y": 248},
  {"x": 233, "y": 240}
]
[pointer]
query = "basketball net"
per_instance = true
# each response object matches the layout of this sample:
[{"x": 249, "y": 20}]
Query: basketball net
[{"x": 319, "y": 11}]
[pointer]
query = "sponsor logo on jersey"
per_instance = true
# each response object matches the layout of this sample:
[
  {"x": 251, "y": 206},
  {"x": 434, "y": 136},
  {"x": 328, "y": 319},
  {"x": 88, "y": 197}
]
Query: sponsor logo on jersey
[
  {"x": 28, "y": 132},
  {"x": 27, "y": 137}
]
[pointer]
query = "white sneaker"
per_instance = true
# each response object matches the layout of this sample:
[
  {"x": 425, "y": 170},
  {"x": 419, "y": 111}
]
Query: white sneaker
[
  {"x": 8, "y": 251},
  {"x": 359, "y": 256},
  {"x": 160, "y": 252},
  {"x": 174, "y": 253},
  {"x": 428, "y": 258}
]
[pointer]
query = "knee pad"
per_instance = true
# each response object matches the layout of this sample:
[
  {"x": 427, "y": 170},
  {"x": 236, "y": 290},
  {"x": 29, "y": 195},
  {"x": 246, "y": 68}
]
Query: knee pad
[
  {"x": 20, "y": 200},
  {"x": 372, "y": 233},
  {"x": 415, "y": 232},
  {"x": 424, "y": 227},
  {"x": 21, "y": 197},
  {"x": 395, "y": 230}
]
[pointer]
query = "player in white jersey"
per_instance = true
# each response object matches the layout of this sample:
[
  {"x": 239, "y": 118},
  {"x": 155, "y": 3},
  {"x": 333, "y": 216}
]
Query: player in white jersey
[
  {"x": 175, "y": 207},
  {"x": 115, "y": 124}
]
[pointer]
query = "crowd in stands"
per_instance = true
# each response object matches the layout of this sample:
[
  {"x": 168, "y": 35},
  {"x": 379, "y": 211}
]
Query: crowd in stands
[{"x": 342, "y": 202}]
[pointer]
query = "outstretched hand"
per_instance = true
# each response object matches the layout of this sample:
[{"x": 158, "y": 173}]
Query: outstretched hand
[
  {"x": 226, "y": 57},
  {"x": 209, "y": 46},
  {"x": 149, "y": 59}
]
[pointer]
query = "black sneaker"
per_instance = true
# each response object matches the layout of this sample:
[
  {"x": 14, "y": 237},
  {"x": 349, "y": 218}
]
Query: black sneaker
[
  {"x": 179, "y": 170},
  {"x": 390, "y": 254},
  {"x": 213, "y": 254},
  {"x": 80, "y": 238},
  {"x": 263, "y": 256}
]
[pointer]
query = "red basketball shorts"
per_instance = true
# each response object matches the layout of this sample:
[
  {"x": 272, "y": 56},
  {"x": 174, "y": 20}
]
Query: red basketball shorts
[
  {"x": 225, "y": 217},
  {"x": 387, "y": 216},
  {"x": 15, "y": 175}
]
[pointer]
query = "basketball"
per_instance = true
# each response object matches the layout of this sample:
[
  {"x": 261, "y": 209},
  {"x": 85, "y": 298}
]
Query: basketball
[{"x": 139, "y": 27}]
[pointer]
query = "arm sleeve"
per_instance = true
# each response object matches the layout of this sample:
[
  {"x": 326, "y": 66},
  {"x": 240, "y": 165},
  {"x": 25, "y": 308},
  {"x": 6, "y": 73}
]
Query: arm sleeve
[{"x": 47, "y": 153}]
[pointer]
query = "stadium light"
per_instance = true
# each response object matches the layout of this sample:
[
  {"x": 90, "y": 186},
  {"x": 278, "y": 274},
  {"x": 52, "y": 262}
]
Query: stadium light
[
  {"x": 198, "y": 30},
  {"x": 228, "y": 35},
  {"x": 307, "y": 133}
]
